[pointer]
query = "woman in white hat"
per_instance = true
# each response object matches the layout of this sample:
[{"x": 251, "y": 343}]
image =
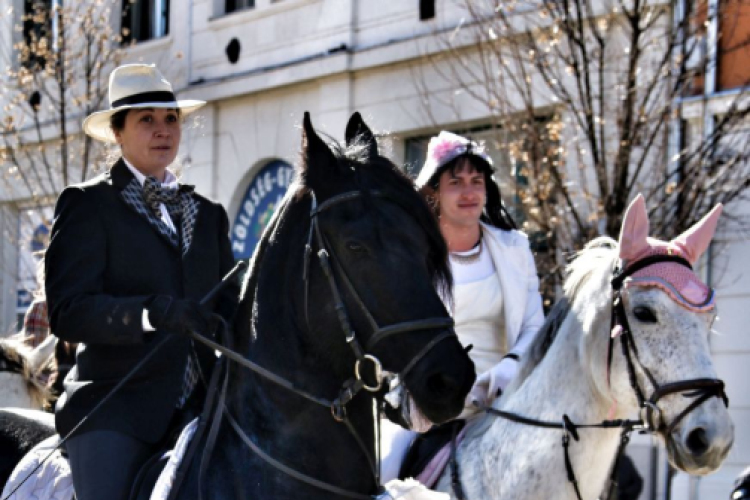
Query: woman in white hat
[
  {"x": 496, "y": 303},
  {"x": 132, "y": 252}
]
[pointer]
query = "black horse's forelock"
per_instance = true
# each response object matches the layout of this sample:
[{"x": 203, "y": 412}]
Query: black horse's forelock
[{"x": 380, "y": 174}]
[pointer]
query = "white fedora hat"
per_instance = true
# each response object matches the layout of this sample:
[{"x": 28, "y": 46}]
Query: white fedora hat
[{"x": 135, "y": 86}]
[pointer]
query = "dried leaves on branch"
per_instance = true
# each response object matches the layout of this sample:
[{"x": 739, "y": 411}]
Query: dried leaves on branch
[{"x": 55, "y": 72}]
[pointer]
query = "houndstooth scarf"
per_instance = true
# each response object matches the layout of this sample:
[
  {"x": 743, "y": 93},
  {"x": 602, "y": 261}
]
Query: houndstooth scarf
[{"x": 182, "y": 207}]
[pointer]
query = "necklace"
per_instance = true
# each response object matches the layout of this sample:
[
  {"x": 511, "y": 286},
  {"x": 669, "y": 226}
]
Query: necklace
[{"x": 466, "y": 257}]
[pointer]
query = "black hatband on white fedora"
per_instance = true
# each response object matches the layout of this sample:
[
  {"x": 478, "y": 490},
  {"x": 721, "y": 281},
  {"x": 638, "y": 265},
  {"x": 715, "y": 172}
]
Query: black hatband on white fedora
[{"x": 135, "y": 86}]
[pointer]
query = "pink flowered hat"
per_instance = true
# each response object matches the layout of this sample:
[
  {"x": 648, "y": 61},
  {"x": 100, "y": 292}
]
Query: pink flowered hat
[
  {"x": 680, "y": 282},
  {"x": 444, "y": 148}
]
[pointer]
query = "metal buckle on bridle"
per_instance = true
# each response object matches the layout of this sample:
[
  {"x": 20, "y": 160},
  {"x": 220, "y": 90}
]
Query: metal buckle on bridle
[
  {"x": 647, "y": 412},
  {"x": 338, "y": 412},
  {"x": 377, "y": 372}
]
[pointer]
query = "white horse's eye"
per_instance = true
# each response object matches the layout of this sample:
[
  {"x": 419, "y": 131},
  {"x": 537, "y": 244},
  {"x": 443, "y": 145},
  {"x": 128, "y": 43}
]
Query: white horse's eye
[{"x": 644, "y": 314}]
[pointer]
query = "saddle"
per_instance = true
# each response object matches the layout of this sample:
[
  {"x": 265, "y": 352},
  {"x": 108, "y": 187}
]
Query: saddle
[{"x": 430, "y": 452}]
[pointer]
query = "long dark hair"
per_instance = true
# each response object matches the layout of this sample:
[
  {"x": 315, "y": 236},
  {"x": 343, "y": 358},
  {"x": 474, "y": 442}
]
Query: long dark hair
[{"x": 495, "y": 213}]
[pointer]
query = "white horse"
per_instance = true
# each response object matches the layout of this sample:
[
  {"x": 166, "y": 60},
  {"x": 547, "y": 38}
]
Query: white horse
[
  {"x": 22, "y": 383},
  {"x": 668, "y": 319}
]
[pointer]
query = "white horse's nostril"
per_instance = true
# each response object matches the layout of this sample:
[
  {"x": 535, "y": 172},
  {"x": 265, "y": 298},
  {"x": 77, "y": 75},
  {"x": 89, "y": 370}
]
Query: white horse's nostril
[{"x": 697, "y": 441}]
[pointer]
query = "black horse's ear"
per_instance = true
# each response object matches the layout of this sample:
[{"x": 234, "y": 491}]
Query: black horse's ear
[
  {"x": 316, "y": 154},
  {"x": 358, "y": 131}
]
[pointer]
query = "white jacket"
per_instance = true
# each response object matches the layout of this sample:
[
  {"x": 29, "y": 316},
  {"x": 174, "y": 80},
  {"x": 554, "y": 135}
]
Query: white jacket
[{"x": 519, "y": 283}]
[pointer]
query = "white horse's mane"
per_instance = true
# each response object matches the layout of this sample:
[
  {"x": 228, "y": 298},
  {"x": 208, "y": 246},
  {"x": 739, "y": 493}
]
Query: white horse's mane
[{"x": 600, "y": 253}]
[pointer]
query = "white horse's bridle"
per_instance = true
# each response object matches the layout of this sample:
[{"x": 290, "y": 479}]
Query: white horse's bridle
[{"x": 701, "y": 389}]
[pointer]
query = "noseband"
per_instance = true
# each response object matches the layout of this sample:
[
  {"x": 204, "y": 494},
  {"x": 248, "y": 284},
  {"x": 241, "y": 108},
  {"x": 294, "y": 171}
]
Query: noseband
[{"x": 701, "y": 389}]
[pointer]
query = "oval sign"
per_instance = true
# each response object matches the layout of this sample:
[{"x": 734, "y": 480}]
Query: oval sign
[{"x": 262, "y": 197}]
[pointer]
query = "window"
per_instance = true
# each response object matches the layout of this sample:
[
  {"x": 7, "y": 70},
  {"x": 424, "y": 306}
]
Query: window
[
  {"x": 734, "y": 48},
  {"x": 696, "y": 48},
  {"x": 38, "y": 33},
  {"x": 144, "y": 20},
  {"x": 235, "y": 5},
  {"x": 426, "y": 9}
]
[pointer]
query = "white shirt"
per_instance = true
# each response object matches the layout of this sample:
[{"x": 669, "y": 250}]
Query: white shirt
[
  {"x": 478, "y": 306},
  {"x": 482, "y": 268}
]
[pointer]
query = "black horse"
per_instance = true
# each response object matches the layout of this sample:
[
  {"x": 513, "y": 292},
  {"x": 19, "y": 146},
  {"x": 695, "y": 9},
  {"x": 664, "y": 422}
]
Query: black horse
[
  {"x": 344, "y": 281},
  {"x": 387, "y": 258}
]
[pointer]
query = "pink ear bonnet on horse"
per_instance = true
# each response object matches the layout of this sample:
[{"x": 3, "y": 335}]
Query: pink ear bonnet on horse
[{"x": 678, "y": 281}]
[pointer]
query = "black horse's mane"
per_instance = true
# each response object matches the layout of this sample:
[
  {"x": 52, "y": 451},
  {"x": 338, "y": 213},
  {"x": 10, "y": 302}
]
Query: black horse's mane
[{"x": 385, "y": 177}]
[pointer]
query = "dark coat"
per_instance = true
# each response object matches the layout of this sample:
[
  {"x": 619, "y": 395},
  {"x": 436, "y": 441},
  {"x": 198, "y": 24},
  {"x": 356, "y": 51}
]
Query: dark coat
[{"x": 104, "y": 261}]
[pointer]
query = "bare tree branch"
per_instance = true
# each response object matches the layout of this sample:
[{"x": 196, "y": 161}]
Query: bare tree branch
[{"x": 609, "y": 82}]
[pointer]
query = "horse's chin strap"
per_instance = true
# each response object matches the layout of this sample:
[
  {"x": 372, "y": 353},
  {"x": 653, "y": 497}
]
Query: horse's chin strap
[{"x": 701, "y": 389}]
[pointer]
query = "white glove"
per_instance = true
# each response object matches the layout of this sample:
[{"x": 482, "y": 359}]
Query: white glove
[
  {"x": 410, "y": 489},
  {"x": 490, "y": 384}
]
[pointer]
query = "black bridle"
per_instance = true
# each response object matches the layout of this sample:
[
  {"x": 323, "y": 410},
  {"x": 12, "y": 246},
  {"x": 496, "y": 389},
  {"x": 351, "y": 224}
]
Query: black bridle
[
  {"x": 701, "y": 389},
  {"x": 352, "y": 386}
]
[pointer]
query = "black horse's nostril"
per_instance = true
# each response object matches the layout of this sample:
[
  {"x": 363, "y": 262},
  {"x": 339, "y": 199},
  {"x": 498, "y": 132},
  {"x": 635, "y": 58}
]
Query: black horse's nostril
[
  {"x": 697, "y": 441},
  {"x": 442, "y": 385}
]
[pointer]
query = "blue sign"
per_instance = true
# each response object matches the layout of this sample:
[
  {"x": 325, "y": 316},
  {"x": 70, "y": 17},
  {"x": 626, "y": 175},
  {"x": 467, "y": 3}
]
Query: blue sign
[
  {"x": 40, "y": 238},
  {"x": 262, "y": 197},
  {"x": 23, "y": 299}
]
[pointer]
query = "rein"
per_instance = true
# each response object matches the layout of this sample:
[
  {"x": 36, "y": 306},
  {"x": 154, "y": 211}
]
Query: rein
[{"x": 701, "y": 389}]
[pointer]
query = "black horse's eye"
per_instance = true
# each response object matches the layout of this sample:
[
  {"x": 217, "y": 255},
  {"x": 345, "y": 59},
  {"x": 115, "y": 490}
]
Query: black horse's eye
[
  {"x": 644, "y": 314},
  {"x": 355, "y": 247}
]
